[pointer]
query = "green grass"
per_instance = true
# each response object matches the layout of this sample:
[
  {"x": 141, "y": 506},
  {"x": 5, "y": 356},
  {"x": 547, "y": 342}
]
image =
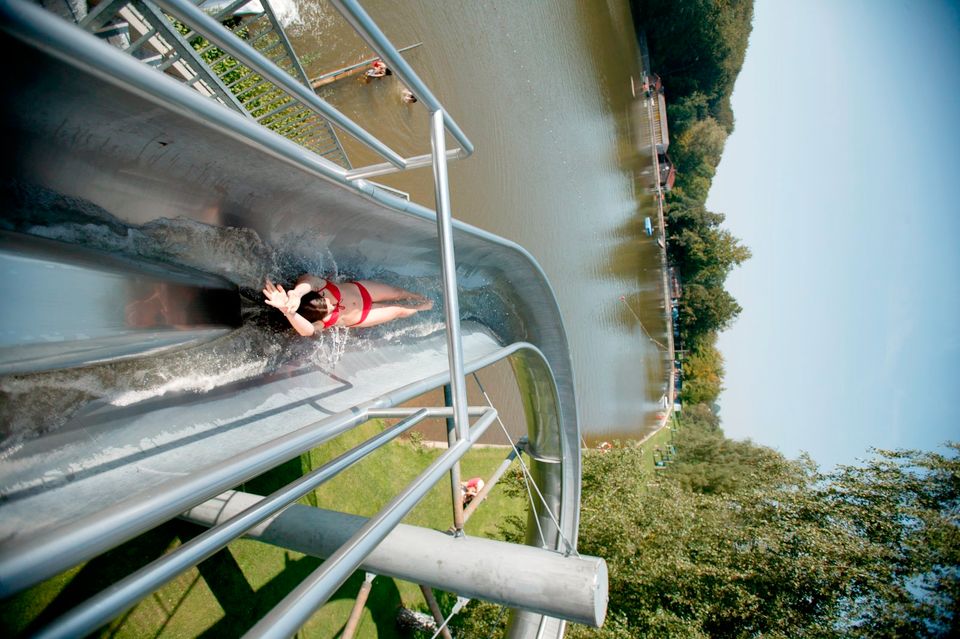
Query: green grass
[
  {"x": 229, "y": 592},
  {"x": 664, "y": 437}
]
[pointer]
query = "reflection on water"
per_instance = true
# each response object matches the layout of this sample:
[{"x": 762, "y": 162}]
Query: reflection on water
[{"x": 543, "y": 91}]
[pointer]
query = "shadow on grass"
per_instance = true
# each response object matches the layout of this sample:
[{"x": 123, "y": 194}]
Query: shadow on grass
[
  {"x": 240, "y": 605},
  {"x": 243, "y": 611}
]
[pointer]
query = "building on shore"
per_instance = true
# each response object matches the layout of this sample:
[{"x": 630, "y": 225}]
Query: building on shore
[
  {"x": 666, "y": 171},
  {"x": 653, "y": 90}
]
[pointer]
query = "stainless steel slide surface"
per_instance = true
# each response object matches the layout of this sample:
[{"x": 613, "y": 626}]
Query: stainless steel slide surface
[
  {"x": 82, "y": 152},
  {"x": 67, "y": 306}
]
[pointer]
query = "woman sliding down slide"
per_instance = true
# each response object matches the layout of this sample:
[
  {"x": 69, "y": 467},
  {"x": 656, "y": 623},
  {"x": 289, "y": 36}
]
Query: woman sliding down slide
[{"x": 315, "y": 304}]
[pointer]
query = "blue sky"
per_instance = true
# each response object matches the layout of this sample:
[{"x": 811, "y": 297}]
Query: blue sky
[{"x": 842, "y": 177}]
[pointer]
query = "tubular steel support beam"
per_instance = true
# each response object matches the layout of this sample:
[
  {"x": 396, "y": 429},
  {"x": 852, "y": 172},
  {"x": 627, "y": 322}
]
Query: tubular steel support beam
[
  {"x": 449, "y": 274},
  {"x": 544, "y": 581},
  {"x": 455, "y": 498},
  {"x": 435, "y": 610},
  {"x": 295, "y": 609},
  {"x": 354, "y": 619},
  {"x": 457, "y": 388},
  {"x": 488, "y": 486}
]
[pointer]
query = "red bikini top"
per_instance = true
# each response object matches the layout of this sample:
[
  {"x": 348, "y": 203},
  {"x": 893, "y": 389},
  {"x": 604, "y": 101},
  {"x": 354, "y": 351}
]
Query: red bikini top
[{"x": 335, "y": 315}]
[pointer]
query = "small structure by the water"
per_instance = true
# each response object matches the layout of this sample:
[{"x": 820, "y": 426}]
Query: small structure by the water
[
  {"x": 653, "y": 87},
  {"x": 660, "y": 135},
  {"x": 666, "y": 171}
]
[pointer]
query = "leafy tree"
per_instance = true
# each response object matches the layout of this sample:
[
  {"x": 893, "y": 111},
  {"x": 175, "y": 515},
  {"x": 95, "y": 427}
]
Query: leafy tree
[
  {"x": 703, "y": 373},
  {"x": 699, "y": 416},
  {"x": 686, "y": 212},
  {"x": 905, "y": 506},
  {"x": 782, "y": 551},
  {"x": 705, "y": 310},
  {"x": 683, "y": 112},
  {"x": 698, "y": 46},
  {"x": 685, "y": 563},
  {"x": 707, "y": 254},
  {"x": 697, "y": 150},
  {"x": 709, "y": 463}
]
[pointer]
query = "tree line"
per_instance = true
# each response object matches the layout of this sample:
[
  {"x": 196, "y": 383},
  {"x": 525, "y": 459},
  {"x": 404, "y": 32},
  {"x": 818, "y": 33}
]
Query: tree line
[
  {"x": 697, "y": 47},
  {"x": 731, "y": 539},
  {"x": 734, "y": 540}
]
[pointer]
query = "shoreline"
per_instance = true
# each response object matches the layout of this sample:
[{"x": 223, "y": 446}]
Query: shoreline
[{"x": 670, "y": 394}]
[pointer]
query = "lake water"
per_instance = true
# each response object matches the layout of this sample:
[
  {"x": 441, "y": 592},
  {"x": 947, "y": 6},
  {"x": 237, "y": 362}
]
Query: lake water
[{"x": 543, "y": 90}]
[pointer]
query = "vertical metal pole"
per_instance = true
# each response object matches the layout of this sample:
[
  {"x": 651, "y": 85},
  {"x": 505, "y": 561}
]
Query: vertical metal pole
[
  {"x": 354, "y": 620},
  {"x": 487, "y": 487},
  {"x": 456, "y": 499},
  {"x": 452, "y": 303},
  {"x": 449, "y": 267},
  {"x": 435, "y": 610}
]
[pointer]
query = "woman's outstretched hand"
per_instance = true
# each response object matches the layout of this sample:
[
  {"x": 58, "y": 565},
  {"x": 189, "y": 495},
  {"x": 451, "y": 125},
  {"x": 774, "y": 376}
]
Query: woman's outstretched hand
[
  {"x": 293, "y": 300},
  {"x": 278, "y": 298}
]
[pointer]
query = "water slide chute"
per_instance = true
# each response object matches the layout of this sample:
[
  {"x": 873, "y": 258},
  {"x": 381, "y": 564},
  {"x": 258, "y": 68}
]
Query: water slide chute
[{"x": 158, "y": 151}]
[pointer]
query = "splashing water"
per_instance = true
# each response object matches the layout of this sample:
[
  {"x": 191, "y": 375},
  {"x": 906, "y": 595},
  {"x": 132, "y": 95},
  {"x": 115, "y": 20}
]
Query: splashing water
[{"x": 38, "y": 403}]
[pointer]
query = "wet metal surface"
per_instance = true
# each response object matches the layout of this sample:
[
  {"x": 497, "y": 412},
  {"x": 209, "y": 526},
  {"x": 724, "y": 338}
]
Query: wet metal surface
[{"x": 544, "y": 89}]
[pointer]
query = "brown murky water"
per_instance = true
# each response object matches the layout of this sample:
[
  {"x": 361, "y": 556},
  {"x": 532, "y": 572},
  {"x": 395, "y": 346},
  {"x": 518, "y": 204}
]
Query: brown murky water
[{"x": 543, "y": 90}]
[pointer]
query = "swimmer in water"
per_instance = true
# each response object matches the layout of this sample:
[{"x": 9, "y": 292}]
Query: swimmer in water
[
  {"x": 315, "y": 304},
  {"x": 377, "y": 70}
]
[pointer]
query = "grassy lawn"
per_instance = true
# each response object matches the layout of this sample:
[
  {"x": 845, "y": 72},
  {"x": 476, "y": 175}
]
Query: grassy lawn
[
  {"x": 662, "y": 440},
  {"x": 229, "y": 592}
]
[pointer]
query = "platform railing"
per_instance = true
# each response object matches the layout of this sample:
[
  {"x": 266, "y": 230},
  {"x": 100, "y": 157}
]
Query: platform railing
[
  {"x": 296, "y": 608},
  {"x": 168, "y": 43},
  {"x": 298, "y": 90},
  {"x": 293, "y": 107},
  {"x": 32, "y": 24}
]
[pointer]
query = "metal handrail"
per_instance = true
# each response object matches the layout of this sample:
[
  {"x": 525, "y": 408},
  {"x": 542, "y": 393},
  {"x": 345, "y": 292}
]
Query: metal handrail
[
  {"x": 296, "y": 608},
  {"x": 109, "y": 603},
  {"x": 104, "y": 606},
  {"x": 213, "y": 31},
  {"x": 371, "y": 33},
  {"x": 208, "y": 26}
]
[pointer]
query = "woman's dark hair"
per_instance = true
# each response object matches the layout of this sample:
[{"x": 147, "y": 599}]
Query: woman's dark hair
[{"x": 312, "y": 307}]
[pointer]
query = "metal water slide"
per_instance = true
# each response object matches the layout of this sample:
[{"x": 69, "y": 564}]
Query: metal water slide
[{"x": 86, "y": 121}]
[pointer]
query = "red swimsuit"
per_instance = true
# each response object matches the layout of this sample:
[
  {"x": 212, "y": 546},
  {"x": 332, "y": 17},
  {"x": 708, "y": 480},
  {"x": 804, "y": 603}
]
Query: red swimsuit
[{"x": 335, "y": 315}]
